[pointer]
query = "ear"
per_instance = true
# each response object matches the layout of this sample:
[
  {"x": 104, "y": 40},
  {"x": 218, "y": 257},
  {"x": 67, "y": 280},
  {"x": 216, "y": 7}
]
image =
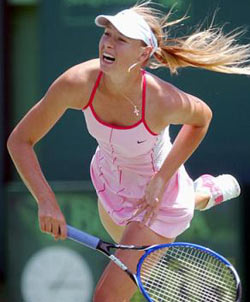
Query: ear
[{"x": 145, "y": 54}]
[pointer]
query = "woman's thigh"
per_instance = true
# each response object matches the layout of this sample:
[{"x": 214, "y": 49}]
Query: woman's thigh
[
  {"x": 115, "y": 231},
  {"x": 114, "y": 285}
]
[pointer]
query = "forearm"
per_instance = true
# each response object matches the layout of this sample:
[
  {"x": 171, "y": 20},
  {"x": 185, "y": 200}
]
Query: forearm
[
  {"x": 29, "y": 169},
  {"x": 186, "y": 142}
]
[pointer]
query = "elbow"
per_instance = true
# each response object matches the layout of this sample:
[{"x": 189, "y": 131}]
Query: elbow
[
  {"x": 206, "y": 114},
  {"x": 11, "y": 143},
  {"x": 205, "y": 121},
  {"x": 15, "y": 143},
  {"x": 209, "y": 116}
]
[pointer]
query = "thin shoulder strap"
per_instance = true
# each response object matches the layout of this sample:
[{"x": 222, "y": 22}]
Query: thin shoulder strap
[
  {"x": 144, "y": 86},
  {"x": 94, "y": 90},
  {"x": 144, "y": 90}
]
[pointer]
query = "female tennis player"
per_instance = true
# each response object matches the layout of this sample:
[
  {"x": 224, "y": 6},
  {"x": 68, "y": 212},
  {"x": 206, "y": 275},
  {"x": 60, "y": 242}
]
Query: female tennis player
[{"x": 144, "y": 194}]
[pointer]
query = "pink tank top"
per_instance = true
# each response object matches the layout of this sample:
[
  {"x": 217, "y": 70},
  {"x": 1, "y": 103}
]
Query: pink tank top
[
  {"x": 123, "y": 164},
  {"x": 126, "y": 157}
]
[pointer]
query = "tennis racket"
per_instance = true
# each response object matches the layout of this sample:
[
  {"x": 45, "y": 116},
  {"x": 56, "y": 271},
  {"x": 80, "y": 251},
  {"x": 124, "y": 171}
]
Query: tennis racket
[{"x": 176, "y": 272}]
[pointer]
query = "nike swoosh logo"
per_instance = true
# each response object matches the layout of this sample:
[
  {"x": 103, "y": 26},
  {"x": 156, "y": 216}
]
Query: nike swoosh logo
[{"x": 140, "y": 142}]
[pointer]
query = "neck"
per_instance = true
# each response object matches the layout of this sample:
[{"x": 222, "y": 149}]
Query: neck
[
  {"x": 124, "y": 83},
  {"x": 129, "y": 87}
]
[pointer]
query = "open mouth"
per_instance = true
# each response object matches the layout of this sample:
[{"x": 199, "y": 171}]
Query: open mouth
[{"x": 108, "y": 58}]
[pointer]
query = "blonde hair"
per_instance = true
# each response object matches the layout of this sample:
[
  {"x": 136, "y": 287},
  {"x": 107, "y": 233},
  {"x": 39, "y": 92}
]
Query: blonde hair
[{"x": 204, "y": 48}]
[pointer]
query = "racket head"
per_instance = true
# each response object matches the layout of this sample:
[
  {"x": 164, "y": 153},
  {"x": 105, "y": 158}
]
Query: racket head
[{"x": 187, "y": 272}]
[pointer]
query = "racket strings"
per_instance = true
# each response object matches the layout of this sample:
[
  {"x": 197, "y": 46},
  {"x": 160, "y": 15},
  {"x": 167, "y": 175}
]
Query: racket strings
[
  {"x": 183, "y": 293},
  {"x": 183, "y": 274},
  {"x": 186, "y": 275},
  {"x": 187, "y": 286},
  {"x": 215, "y": 265},
  {"x": 220, "y": 269}
]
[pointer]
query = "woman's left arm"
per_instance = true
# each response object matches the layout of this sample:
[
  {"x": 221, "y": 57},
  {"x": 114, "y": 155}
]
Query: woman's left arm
[{"x": 195, "y": 116}]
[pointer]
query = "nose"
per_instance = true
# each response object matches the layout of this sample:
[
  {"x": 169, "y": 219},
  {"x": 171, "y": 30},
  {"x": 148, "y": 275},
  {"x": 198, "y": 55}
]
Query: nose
[{"x": 109, "y": 44}]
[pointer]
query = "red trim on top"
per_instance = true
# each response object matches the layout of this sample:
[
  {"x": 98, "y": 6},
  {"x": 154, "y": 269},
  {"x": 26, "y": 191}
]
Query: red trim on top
[
  {"x": 149, "y": 130},
  {"x": 142, "y": 120},
  {"x": 144, "y": 89},
  {"x": 144, "y": 86},
  {"x": 94, "y": 90},
  {"x": 111, "y": 125}
]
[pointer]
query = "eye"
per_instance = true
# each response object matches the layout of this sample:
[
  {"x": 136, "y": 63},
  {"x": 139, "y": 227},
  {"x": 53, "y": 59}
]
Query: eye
[
  {"x": 106, "y": 33},
  {"x": 122, "y": 40}
]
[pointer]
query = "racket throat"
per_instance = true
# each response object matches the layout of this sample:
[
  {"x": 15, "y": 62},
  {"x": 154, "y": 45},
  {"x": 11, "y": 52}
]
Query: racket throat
[
  {"x": 105, "y": 248},
  {"x": 118, "y": 262},
  {"x": 123, "y": 267}
]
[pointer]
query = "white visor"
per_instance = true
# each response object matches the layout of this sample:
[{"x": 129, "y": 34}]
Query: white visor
[{"x": 131, "y": 25}]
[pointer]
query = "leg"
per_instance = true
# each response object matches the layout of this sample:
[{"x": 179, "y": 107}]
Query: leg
[
  {"x": 211, "y": 191},
  {"x": 201, "y": 201},
  {"x": 115, "y": 285},
  {"x": 115, "y": 231}
]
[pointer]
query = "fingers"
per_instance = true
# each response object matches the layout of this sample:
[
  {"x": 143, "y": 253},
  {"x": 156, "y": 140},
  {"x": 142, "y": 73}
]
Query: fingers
[
  {"x": 63, "y": 230},
  {"x": 150, "y": 210},
  {"x": 141, "y": 206},
  {"x": 140, "y": 210},
  {"x": 152, "y": 217},
  {"x": 54, "y": 226},
  {"x": 140, "y": 202},
  {"x": 149, "y": 216},
  {"x": 51, "y": 220}
]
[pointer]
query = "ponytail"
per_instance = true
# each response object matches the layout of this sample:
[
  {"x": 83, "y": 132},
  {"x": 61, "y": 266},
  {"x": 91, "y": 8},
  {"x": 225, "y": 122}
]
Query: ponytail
[{"x": 209, "y": 49}]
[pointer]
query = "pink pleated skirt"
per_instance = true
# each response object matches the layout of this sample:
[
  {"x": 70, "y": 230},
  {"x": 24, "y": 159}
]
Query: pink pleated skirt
[{"x": 120, "y": 200}]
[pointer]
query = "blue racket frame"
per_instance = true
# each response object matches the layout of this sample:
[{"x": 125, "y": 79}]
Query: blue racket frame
[
  {"x": 104, "y": 247},
  {"x": 185, "y": 244}
]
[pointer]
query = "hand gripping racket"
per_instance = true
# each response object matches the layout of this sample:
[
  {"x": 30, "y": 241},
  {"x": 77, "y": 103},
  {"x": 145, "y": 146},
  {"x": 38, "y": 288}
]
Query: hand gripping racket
[{"x": 176, "y": 272}]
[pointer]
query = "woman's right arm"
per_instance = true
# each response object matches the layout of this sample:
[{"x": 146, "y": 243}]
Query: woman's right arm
[{"x": 66, "y": 92}]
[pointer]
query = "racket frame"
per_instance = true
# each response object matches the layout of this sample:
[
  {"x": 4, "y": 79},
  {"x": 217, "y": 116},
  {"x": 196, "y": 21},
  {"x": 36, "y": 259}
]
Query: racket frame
[
  {"x": 152, "y": 249},
  {"x": 105, "y": 247}
]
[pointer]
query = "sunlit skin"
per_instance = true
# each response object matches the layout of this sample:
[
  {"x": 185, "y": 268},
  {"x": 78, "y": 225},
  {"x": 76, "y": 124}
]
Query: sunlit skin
[
  {"x": 165, "y": 105},
  {"x": 126, "y": 51}
]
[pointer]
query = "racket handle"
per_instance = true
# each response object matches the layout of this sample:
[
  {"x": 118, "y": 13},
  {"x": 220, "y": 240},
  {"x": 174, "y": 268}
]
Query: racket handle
[{"x": 82, "y": 237}]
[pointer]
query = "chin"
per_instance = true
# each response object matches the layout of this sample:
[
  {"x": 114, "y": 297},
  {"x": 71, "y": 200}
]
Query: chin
[{"x": 107, "y": 68}]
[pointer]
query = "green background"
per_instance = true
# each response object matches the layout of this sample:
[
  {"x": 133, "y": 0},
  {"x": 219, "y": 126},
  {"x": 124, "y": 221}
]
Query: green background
[{"x": 47, "y": 37}]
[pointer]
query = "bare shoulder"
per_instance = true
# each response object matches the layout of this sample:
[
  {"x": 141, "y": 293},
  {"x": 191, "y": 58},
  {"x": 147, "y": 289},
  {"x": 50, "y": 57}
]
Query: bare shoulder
[
  {"x": 75, "y": 84},
  {"x": 163, "y": 99},
  {"x": 171, "y": 105},
  {"x": 164, "y": 93}
]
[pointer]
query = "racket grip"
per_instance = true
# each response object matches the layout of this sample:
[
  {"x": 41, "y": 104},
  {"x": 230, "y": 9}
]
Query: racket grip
[{"x": 82, "y": 237}]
